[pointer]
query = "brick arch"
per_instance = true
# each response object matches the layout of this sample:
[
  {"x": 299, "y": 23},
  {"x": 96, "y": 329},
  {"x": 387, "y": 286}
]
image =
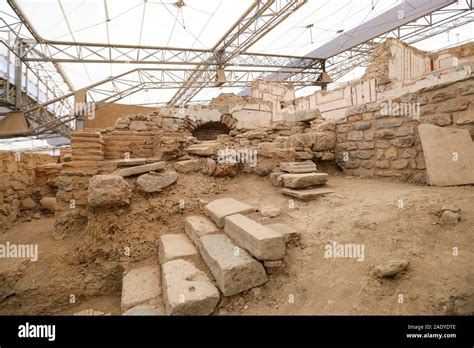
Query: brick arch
[{"x": 226, "y": 120}]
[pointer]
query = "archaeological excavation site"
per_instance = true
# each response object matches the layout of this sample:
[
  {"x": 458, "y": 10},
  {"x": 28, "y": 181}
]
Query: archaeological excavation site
[{"x": 236, "y": 158}]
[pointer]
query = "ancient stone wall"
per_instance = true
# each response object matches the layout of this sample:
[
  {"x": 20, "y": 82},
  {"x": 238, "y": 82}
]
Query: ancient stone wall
[
  {"x": 381, "y": 139},
  {"x": 24, "y": 180}
]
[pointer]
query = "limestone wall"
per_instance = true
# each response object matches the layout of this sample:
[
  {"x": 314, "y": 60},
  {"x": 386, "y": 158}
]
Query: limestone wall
[
  {"x": 24, "y": 180},
  {"x": 381, "y": 138},
  {"x": 397, "y": 69}
]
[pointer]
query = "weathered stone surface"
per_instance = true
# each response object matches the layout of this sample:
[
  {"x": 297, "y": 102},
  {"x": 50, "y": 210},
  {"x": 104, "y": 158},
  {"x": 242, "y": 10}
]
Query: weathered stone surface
[
  {"x": 304, "y": 115},
  {"x": 108, "y": 191},
  {"x": 269, "y": 211},
  {"x": 402, "y": 142},
  {"x": 177, "y": 246},
  {"x": 138, "y": 126},
  {"x": 449, "y": 218},
  {"x": 289, "y": 233},
  {"x": 208, "y": 166},
  {"x": 203, "y": 149},
  {"x": 233, "y": 268},
  {"x": 262, "y": 242},
  {"x": 363, "y": 125},
  {"x": 131, "y": 162},
  {"x": 187, "y": 290},
  {"x": 49, "y": 204},
  {"x": 220, "y": 208},
  {"x": 390, "y": 268},
  {"x": 324, "y": 141},
  {"x": 188, "y": 166},
  {"x": 197, "y": 226},
  {"x": 383, "y": 124},
  {"x": 135, "y": 170},
  {"x": 27, "y": 203},
  {"x": 144, "y": 310},
  {"x": 141, "y": 286},
  {"x": 449, "y": 155},
  {"x": 226, "y": 170},
  {"x": 155, "y": 182},
  {"x": 306, "y": 194},
  {"x": 275, "y": 179},
  {"x": 298, "y": 167},
  {"x": 305, "y": 180},
  {"x": 355, "y": 136}
]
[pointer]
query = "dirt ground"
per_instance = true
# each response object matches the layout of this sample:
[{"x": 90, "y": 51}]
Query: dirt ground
[{"x": 87, "y": 267}]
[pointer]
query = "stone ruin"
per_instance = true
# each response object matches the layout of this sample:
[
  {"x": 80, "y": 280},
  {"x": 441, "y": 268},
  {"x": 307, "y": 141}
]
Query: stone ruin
[{"x": 363, "y": 128}]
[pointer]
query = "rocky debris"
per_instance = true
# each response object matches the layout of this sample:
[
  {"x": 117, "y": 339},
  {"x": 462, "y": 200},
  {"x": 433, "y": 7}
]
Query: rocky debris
[
  {"x": 233, "y": 268},
  {"x": 27, "y": 204},
  {"x": 208, "y": 166},
  {"x": 299, "y": 181},
  {"x": 307, "y": 194},
  {"x": 143, "y": 310},
  {"x": 48, "y": 204},
  {"x": 146, "y": 168},
  {"x": 155, "y": 182},
  {"x": 451, "y": 208},
  {"x": 269, "y": 211},
  {"x": 131, "y": 162},
  {"x": 218, "y": 209},
  {"x": 226, "y": 170},
  {"x": 203, "y": 149},
  {"x": 188, "y": 166},
  {"x": 449, "y": 218},
  {"x": 141, "y": 286},
  {"x": 298, "y": 167},
  {"x": 108, "y": 191},
  {"x": 177, "y": 246},
  {"x": 289, "y": 233},
  {"x": 197, "y": 226},
  {"x": 390, "y": 268},
  {"x": 262, "y": 242},
  {"x": 187, "y": 290}
]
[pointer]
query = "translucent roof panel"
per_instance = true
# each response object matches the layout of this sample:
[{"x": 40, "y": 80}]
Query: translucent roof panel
[{"x": 197, "y": 24}]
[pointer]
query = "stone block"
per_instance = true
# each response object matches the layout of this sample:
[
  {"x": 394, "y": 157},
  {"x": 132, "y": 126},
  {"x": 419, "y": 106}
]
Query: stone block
[
  {"x": 262, "y": 242},
  {"x": 448, "y": 154},
  {"x": 136, "y": 170},
  {"x": 187, "y": 290},
  {"x": 307, "y": 194},
  {"x": 233, "y": 268},
  {"x": 197, "y": 226},
  {"x": 218, "y": 209},
  {"x": 141, "y": 286},
  {"x": 298, "y": 181},
  {"x": 177, "y": 246}
]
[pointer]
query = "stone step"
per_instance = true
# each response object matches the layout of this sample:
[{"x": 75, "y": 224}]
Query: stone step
[
  {"x": 289, "y": 233},
  {"x": 233, "y": 268},
  {"x": 218, "y": 209},
  {"x": 142, "y": 286},
  {"x": 187, "y": 166},
  {"x": 307, "y": 194},
  {"x": 260, "y": 241},
  {"x": 187, "y": 290},
  {"x": 298, "y": 167},
  {"x": 177, "y": 246},
  {"x": 299, "y": 181},
  {"x": 197, "y": 226},
  {"x": 153, "y": 167}
]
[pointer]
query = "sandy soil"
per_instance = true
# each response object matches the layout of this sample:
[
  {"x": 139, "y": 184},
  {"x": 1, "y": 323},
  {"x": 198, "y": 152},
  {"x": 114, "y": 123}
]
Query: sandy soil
[{"x": 362, "y": 211}]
